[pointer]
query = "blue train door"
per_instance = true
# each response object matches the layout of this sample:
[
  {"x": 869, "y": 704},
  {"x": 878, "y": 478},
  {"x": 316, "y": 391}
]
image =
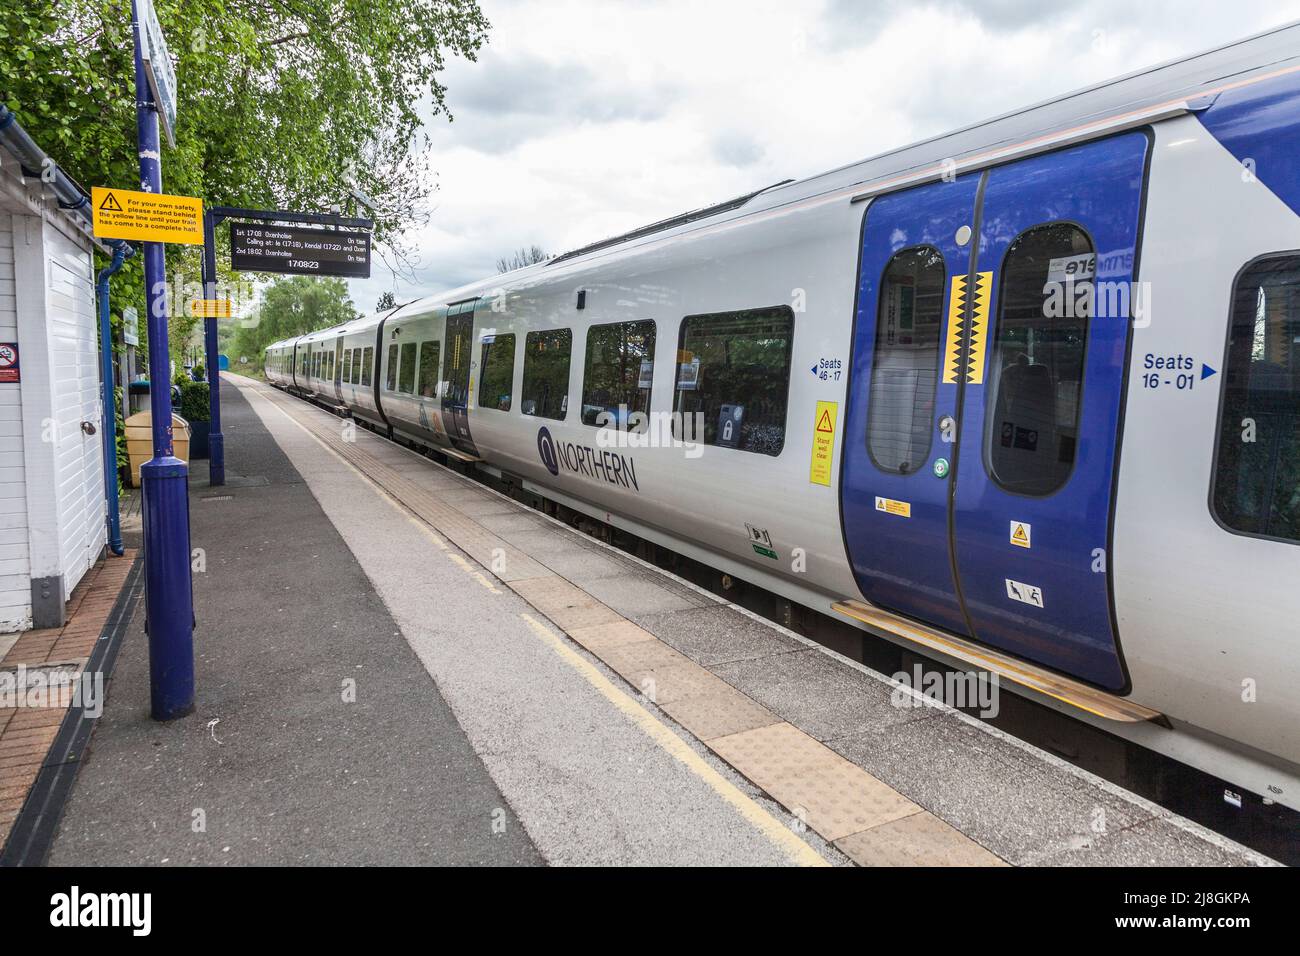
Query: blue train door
[
  {"x": 456, "y": 364},
  {"x": 916, "y": 253},
  {"x": 1013, "y": 513}
]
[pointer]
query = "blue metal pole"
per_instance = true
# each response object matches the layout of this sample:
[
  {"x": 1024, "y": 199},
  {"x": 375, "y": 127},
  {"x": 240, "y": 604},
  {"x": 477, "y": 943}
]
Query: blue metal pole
[
  {"x": 216, "y": 441},
  {"x": 121, "y": 252},
  {"x": 169, "y": 599}
]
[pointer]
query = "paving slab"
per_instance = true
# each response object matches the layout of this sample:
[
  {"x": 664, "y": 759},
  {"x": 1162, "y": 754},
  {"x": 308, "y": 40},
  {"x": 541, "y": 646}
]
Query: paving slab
[
  {"x": 1007, "y": 798},
  {"x": 829, "y": 793},
  {"x": 636, "y": 595},
  {"x": 719, "y": 635},
  {"x": 818, "y": 694},
  {"x": 920, "y": 839}
]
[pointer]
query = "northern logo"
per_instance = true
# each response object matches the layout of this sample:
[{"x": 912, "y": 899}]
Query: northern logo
[
  {"x": 611, "y": 467},
  {"x": 546, "y": 450}
]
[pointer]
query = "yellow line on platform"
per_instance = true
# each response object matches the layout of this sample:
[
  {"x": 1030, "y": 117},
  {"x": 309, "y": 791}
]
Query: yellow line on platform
[
  {"x": 796, "y": 849},
  {"x": 473, "y": 572}
]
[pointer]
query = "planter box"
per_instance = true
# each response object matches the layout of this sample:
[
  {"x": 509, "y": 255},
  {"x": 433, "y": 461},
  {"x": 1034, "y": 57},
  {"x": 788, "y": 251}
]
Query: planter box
[
  {"x": 199, "y": 439},
  {"x": 139, "y": 441}
]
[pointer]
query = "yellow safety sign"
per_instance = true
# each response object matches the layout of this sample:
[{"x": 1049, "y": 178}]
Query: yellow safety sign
[
  {"x": 211, "y": 308},
  {"x": 823, "y": 447},
  {"x": 891, "y": 506},
  {"x": 1020, "y": 534},
  {"x": 146, "y": 217}
]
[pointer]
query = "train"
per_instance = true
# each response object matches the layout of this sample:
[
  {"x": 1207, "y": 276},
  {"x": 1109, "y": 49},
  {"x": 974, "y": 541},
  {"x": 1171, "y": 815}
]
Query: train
[{"x": 1022, "y": 398}]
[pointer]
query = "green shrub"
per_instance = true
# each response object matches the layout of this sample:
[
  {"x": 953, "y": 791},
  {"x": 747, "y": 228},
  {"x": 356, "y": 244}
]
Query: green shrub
[{"x": 194, "y": 401}]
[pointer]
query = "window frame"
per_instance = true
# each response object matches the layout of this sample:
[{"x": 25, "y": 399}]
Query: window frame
[
  {"x": 482, "y": 370},
  {"x": 945, "y": 293},
  {"x": 390, "y": 373},
  {"x": 523, "y": 381},
  {"x": 425, "y": 345},
  {"x": 414, "y": 353},
  {"x": 991, "y": 354},
  {"x": 773, "y": 310},
  {"x": 586, "y": 352},
  {"x": 1223, "y": 397}
]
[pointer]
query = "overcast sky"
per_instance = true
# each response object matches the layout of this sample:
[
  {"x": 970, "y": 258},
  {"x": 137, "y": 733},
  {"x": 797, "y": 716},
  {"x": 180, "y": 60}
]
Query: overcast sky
[{"x": 586, "y": 118}]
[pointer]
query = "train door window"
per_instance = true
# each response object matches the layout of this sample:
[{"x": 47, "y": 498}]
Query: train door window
[
  {"x": 315, "y": 364},
  {"x": 330, "y": 358},
  {"x": 1257, "y": 470},
  {"x": 618, "y": 373},
  {"x": 347, "y": 366},
  {"x": 1036, "y": 369},
  {"x": 427, "y": 385},
  {"x": 406, "y": 373},
  {"x": 390, "y": 381},
  {"x": 496, "y": 372},
  {"x": 367, "y": 361},
  {"x": 547, "y": 356},
  {"x": 905, "y": 367},
  {"x": 733, "y": 378}
]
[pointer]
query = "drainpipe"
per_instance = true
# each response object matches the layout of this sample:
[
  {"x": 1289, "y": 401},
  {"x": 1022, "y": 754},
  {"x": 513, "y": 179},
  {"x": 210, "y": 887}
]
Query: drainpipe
[
  {"x": 33, "y": 161},
  {"x": 121, "y": 252}
]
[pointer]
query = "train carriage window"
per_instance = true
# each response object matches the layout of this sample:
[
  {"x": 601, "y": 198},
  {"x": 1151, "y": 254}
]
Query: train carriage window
[
  {"x": 390, "y": 380},
  {"x": 347, "y": 366},
  {"x": 1035, "y": 372},
  {"x": 906, "y": 359},
  {"x": 1257, "y": 470},
  {"x": 367, "y": 362},
  {"x": 427, "y": 386},
  {"x": 733, "y": 377},
  {"x": 406, "y": 373},
  {"x": 618, "y": 374},
  {"x": 547, "y": 356},
  {"x": 497, "y": 372}
]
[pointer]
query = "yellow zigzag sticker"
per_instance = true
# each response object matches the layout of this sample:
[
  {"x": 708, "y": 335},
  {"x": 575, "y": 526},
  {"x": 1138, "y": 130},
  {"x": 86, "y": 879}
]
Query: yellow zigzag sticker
[
  {"x": 979, "y": 327},
  {"x": 958, "y": 361}
]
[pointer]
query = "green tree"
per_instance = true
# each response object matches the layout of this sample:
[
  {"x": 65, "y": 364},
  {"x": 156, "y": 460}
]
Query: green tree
[
  {"x": 282, "y": 103},
  {"x": 386, "y": 301},
  {"x": 292, "y": 306}
]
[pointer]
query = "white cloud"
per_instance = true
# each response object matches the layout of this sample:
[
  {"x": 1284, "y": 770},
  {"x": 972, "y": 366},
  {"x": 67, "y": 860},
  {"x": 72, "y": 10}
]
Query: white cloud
[{"x": 585, "y": 118}]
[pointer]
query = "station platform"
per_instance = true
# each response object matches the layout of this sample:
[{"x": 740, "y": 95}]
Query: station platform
[{"x": 396, "y": 664}]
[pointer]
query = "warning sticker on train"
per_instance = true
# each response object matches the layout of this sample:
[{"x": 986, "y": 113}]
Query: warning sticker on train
[
  {"x": 823, "y": 446},
  {"x": 9, "y": 363},
  {"x": 890, "y": 506},
  {"x": 1020, "y": 534},
  {"x": 1024, "y": 593}
]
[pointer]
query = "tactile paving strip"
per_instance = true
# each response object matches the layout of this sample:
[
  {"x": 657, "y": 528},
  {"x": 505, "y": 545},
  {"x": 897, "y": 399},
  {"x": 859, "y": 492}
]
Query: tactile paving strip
[
  {"x": 834, "y": 797},
  {"x": 861, "y": 814},
  {"x": 919, "y": 839}
]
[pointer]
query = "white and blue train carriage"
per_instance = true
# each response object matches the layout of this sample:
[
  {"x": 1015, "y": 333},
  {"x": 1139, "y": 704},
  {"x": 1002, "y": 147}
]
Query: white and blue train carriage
[{"x": 1024, "y": 397}]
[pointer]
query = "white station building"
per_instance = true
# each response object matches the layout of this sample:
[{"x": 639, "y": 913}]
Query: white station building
[{"x": 52, "y": 505}]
